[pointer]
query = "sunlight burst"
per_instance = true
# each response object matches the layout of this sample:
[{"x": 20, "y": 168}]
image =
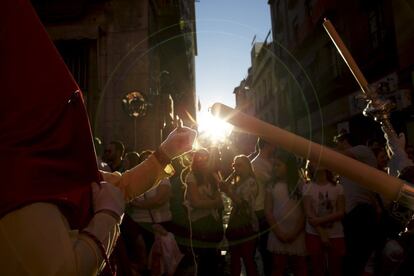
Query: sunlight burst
[{"x": 214, "y": 129}]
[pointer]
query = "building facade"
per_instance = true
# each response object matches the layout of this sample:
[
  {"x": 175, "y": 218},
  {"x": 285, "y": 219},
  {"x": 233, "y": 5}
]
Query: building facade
[
  {"x": 320, "y": 96},
  {"x": 115, "y": 47},
  {"x": 257, "y": 94}
]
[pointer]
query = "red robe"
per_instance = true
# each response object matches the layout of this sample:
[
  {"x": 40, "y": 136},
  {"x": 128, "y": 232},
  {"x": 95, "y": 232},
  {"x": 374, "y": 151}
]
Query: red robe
[{"x": 46, "y": 148}]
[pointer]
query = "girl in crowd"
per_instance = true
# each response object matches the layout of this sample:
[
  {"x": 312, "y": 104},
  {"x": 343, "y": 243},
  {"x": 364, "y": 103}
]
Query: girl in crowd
[
  {"x": 151, "y": 211},
  {"x": 324, "y": 203},
  {"x": 286, "y": 218},
  {"x": 204, "y": 201},
  {"x": 243, "y": 194}
]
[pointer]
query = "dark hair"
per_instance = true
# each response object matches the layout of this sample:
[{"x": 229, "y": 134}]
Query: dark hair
[
  {"x": 145, "y": 154},
  {"x": 292, "y": 172},
  {"x": 119, "y": 146},
  {"x": 245, "y": 159},
  {"x": 133, "y": 158},
  {"x": 195, "y": 169},
  {"x": 196, "y": 159},
  {"x": 310, "y": 172}
]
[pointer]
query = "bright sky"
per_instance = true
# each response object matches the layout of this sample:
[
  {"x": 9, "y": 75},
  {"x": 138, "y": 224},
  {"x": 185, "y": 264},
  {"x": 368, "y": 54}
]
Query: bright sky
[{"x": 225, "y": 30}]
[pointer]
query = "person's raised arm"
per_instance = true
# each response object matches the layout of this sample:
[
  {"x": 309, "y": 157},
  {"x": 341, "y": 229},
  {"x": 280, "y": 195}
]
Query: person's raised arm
[
  {"x": 101, "y": 233},
  {"x": 141, "y": 178},
  {"x": 397, "y": 154}
]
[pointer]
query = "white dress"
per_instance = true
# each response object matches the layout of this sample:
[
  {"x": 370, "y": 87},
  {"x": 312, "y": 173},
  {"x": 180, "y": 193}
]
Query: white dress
[{"x": 287, "y": 212}]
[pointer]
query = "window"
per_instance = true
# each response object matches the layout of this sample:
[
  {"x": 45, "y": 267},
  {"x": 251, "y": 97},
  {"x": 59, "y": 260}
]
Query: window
[
  {"x": 75, "y": 53},
  {"x": 376, "y": 27}
]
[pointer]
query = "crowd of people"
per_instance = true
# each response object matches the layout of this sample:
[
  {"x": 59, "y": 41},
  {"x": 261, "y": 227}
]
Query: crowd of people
[
  {"x": 69, "y": 209},
  {"x": 286, "y": 215}
]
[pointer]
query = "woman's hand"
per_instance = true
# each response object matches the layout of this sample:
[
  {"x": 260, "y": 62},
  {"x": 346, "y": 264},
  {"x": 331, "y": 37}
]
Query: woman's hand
[
  {"x": 324, "y": 237},
  {"x": 280, "y": 234}
]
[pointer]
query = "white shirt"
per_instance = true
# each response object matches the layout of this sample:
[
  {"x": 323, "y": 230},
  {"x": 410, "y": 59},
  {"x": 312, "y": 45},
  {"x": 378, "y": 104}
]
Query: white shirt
[
  {"x": 205, "y": 191},
  {"x": 323, "y": 202},
  {"x": 160, "y": 214},
  {"x": 262, "y": 168},
  {"x": 247, "y": 190}
]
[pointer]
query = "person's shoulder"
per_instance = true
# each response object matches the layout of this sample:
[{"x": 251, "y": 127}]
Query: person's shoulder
[{"x": 364, "y": 154}]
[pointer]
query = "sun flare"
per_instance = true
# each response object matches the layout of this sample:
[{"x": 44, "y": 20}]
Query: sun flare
[{"x": 214, "y": 129}]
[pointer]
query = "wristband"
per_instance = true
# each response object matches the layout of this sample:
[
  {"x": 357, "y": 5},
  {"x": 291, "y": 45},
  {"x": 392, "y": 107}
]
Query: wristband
[
  {"x": 110, "y": 213},
  {"x": 164, "y": 161},
  {"x": 162, "y": 158}
]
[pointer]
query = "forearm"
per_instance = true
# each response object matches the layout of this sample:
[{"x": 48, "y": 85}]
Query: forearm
[
  {"x": 298, "y": 228},
  {"x": 139, "y": 179},
  {"x": 331, "y": 217},
  {"x": 271, "y": 220},
  {"x": 277, "y": 230},
  {"x": 399, "y": 158},
  {"x": 89, "y": 258},
  {"x": 54, "y": 248}
]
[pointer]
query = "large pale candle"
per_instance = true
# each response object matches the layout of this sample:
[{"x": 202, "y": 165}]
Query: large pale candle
[
  {"x": 346, "y": 55},
  {"x": 359, "y": 172}
]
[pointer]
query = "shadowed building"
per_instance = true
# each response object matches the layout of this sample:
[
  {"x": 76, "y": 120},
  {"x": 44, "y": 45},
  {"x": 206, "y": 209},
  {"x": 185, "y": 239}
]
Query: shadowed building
[
  {"x": 319, "y": 89},
  {"x": 116, "y": 47}
]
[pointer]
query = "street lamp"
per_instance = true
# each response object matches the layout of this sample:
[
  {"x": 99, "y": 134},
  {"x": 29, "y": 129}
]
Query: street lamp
[{"x": 135, "y": 104}]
